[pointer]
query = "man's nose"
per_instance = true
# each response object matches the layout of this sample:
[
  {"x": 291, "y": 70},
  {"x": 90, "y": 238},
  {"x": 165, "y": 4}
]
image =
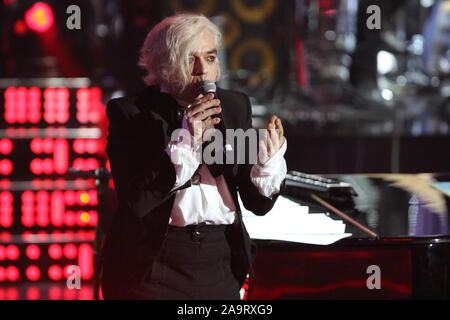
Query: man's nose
[{"x": 200, "y": 67}]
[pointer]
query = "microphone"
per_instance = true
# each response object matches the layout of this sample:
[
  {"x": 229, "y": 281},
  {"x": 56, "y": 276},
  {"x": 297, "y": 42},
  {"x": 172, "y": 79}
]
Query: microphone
[{"x": 207, "y": 87}]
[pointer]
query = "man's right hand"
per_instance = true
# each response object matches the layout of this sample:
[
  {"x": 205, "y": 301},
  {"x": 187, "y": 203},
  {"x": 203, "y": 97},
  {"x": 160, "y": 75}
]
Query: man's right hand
[{"x": 199, "y": 116}]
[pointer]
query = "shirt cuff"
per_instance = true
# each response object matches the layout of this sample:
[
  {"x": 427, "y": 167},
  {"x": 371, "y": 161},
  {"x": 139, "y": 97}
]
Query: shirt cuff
[
  {"x": 268, "y": 177},
  {"x": 185, "y": 160}
]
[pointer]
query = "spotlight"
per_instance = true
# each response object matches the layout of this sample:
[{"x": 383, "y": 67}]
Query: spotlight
[{"x": 39, "y": 17}]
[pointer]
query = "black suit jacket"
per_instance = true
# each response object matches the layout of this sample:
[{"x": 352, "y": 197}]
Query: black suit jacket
[{"x": 140, "y": 128}]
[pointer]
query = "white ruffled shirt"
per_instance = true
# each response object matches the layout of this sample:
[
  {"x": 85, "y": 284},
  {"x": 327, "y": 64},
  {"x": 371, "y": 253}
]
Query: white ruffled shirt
[{"x": 210, "y": 201}]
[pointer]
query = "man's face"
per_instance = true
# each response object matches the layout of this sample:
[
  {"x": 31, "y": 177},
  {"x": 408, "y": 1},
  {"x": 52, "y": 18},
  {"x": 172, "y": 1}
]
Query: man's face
[{"x": 203, "y": 65}]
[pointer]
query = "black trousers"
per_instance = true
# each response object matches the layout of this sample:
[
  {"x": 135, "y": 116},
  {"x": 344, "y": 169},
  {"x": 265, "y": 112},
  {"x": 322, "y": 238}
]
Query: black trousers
[{"x": 193, "y": 264}]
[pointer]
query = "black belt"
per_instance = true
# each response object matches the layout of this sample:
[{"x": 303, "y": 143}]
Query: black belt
[{"x": 198, "y": 231}]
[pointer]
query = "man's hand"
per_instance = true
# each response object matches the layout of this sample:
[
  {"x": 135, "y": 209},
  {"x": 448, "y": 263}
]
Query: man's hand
[
  {"x": 272, "y": 140},
  {"x": 199, "y": 116}
]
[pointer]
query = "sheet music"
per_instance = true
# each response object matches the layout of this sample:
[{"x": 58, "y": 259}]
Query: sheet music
[{"x": 289, "y": 221}]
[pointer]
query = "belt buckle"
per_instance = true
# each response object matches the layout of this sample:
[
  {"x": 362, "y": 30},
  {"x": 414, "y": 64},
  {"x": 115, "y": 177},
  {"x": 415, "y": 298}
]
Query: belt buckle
[{"x": 196, "y": 235}]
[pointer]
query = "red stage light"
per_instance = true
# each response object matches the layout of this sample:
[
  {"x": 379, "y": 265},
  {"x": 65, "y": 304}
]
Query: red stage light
[
  {"x": 6, "y": 167},
  {"x": 92, "y": 146},
  {"x": 85, "y": 258},
  {"x": 93, "y": 197},
  {"x": 61, "y": 156},
  {"x": 47, "y": 166},
  {"x": 12, "y": 252},
  {"x": 47, "y": 145},
  {"x": 78, "y": 146},
  {"x": 28, "y": 221},
  {"x": 20, "y": 28},
  {"x": 33, "y": 293},
  {"x": 55, "y": 272},
  {"x": 55, "y": 293},
  {"x": 12, "y": 274},
  {"x": 28, "y": 197},
  {"x": 27, "y": 209},
  {"x": 36, "y": 166},
  {"x": 70, "y": 218},
  {"x": 6, "y": 197},
  {"x": 36, "y": 145},
  {"x": 33, "y": 273},
  {"x": 70, "y": 197},
  {"x": 39, "y": 17},
  {"x": 2, "y": 274},
  {"x": 33, "y": 252},
  {"x": 57, "y": 208},
  {"x": 91, "y": 164},
  {"x": 6, "y": 146},
  {"x": 55, "y": 251},
  {"x": 42, "y": 197},
  {"x": 70, "y": 251}
]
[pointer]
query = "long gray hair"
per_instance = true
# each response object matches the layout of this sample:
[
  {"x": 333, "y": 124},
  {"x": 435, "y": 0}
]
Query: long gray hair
[{"x": 166, "y": 49}]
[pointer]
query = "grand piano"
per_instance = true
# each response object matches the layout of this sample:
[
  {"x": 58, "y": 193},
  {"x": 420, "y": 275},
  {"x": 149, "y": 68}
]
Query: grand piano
[{"x": 409, "y": 258}]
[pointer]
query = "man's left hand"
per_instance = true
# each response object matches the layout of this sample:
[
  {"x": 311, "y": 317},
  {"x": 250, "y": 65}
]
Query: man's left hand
[{"x": 272, "y": 140}]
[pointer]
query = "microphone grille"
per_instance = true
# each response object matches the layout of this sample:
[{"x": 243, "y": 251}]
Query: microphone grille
[{"x": 208, "y": 86}]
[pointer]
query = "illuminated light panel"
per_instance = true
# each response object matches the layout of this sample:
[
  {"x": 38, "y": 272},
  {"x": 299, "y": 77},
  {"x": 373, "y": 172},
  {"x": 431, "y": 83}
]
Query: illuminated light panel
[
  {"x": 79, "y": 146},
  {"x": 12, "y": 252},
  {"x": 12, "y": 273},
  {"x": 6, "y": 146},
  {"x": 2, "y": 275},
  {"x": 27, "y": 197},
  {"x": 55, "y": 251},
  {"x": 33, "y": 273},
  {"x": 33, "y": 252},
  {"x": 61, "y": 156},
  {"x": 6, "y": 209},
  {"x": 60, "y": 183},
  {"x": 42, "y": 214},
  {"x": 22, "y": 105},
  {"x": 70, "y": 197},
  {"x": 86, "y": 164},
  {"x": 70, "y": 251},
  {"x": 6, "y": 167},
  {"x": 47, "y": 145},
  {"x": 33, "y": 293},
  {"x": 36, "y": 166},
  {"x": 20, "y": 28},
  {"x": 57, "y": 208},
  {"x": 70, "y": 219},
  {"x": 84, "y": 198},
  {"x": 90, "y": 146},
  {"x": 55, "y": 293},
  {"x": 89, "y": 105},
  {"x": 27, "y": 209},
  {"x": 56, "y": 105},
  {"x": 55, "y": 272},
  {"x": 28, "y": 220},
  {"x": 85, "y": 217},
  {"x": 85, "y": 257},
  {"x": 39, "y": 17}
]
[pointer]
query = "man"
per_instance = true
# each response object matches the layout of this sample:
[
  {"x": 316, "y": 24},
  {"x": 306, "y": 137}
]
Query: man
[{"x": 178, "y": 233}]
